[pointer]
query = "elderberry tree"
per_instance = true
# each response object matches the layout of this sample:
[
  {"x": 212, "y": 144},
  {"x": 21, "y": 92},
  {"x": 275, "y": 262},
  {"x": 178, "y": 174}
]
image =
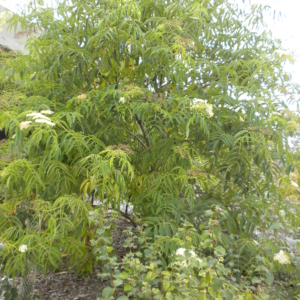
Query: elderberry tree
[{"x": 178, "y": 107}]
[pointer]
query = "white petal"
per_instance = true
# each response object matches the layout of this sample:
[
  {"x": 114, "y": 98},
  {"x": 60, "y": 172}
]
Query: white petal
[
  {"x": 23, "y": 248},
  {"x": 32, "y": 114},
  {"x": 24, "y": 125},
  {"x": 180, "y": 251},
  {"x": 45, "y": 122},
  {"x": 47, "y": 112},
  {"x": 40, "y": 116}
]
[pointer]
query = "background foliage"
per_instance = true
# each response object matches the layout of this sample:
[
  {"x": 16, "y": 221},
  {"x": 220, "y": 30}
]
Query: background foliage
[{"x": 178, "y": 107}]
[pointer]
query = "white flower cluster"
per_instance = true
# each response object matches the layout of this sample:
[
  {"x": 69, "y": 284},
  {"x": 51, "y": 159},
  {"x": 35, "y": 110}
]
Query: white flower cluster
[
  {"x": 282, "y": 257},
  {"x": 285, "y": 55},
  {"x": 24, "y": 125},
  {"x": 122, "y": 100},
  {"x": 38, "y": 118},
  {"x": 209, "y": 110},
  {"x": 4, "y": 16},
  {"x": 201, "y": 104},
  {"x": 182, "y": 252},
  {"x": 281, "y": 52},
  {"x": 23, "y": 248}
]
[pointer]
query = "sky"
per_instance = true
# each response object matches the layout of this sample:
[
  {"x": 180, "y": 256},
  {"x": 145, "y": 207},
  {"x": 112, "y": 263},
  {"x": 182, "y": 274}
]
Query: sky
[{"x": 286, "y": 27}]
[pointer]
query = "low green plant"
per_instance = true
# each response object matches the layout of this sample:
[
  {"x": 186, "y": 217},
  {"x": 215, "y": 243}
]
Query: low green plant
[{"x": 187, "y": 273}]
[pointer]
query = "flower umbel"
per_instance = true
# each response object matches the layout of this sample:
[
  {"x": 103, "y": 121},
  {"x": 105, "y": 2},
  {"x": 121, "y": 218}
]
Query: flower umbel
[
  {"x": 23, "y": 248},
  {"x": 24, "y": 125},
  {"x": 45, "y": 122},
  {"x": 40, "y": 118},
  {"x": 32, "y": 114},
  {"x": 47, "y": 112},
  {"x": 282, "y": 257},
  {"x": 181, "y": 251},
  {"x": 200, "y": 104},
  {"x": 281, "y": 52},
  {"x": 36, "y": 115},
  {"x": 122, "y": 100}
]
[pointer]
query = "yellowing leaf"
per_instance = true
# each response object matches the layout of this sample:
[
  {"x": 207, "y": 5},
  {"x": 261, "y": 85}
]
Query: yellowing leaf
[
  {"x": 82, "y": 96},
  {"x": 122, "y": 65}
]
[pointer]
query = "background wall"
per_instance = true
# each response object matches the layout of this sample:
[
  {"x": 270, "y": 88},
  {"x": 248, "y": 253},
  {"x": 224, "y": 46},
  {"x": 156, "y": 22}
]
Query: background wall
[{"x": 11, "y": 39}]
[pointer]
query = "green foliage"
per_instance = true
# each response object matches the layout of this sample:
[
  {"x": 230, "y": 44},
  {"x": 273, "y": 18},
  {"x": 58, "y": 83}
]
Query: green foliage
[
  {"x": 178, "y": 107},
  {"x": 45, "y": 228},
  {"x": 142, "y": 274},
  {"x": 10, "y": 292}
]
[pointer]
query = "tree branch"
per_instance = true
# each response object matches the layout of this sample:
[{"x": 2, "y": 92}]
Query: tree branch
[
  {"x": 137, "y": 138},
  {"x": 155, "y": 83},
  {"x": 143, "y": 130},
  {"x": 128, "y": 218}
]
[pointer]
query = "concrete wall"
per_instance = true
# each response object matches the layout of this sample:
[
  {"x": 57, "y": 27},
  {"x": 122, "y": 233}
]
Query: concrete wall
[{"x": 11, "y": 39}]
